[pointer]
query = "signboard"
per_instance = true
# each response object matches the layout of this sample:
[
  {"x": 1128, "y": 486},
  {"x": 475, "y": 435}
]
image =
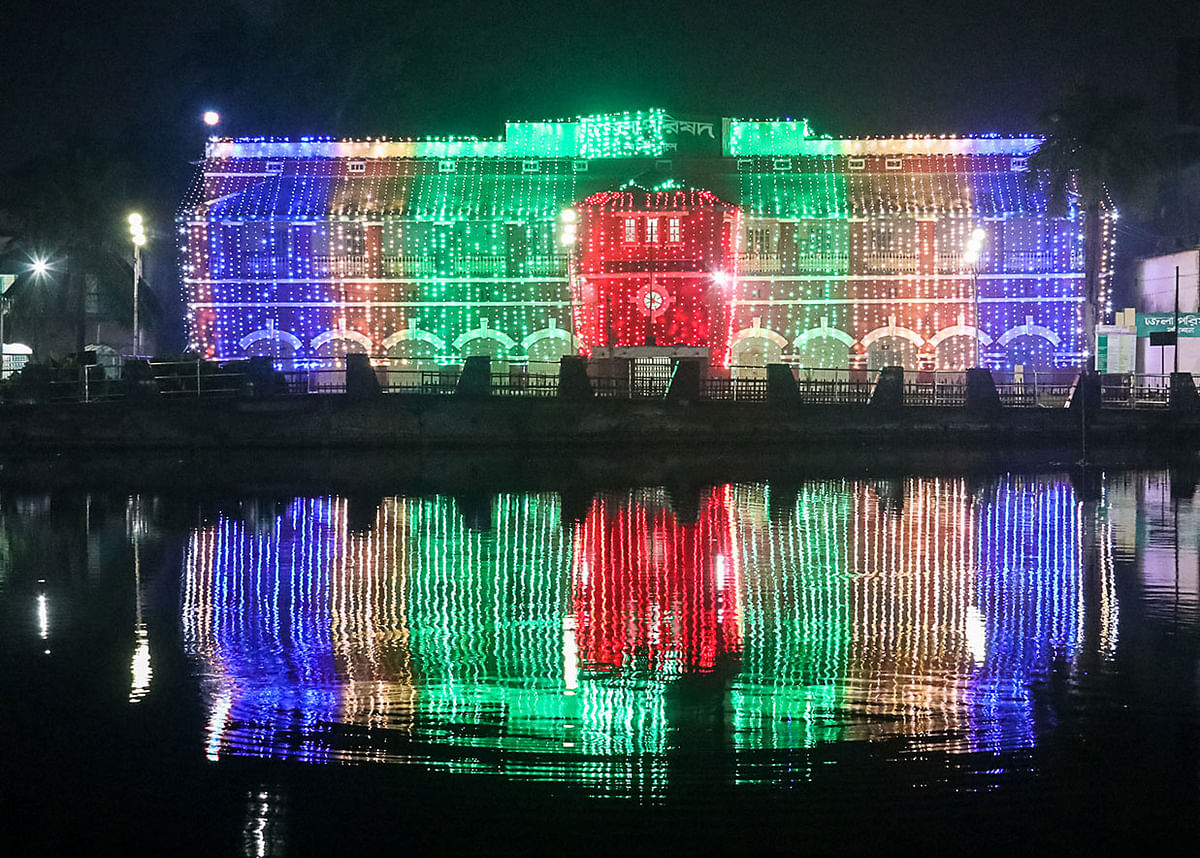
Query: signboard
[
  {"x": 6, "y": 280},
  {"x": 1116, "y": 349},
  {"x": 1154, "y": 323},
  {"x": 691, "y": 135}
]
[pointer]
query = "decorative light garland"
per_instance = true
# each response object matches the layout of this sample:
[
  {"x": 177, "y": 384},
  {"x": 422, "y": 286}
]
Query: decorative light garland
[{"x": 845, "y": 252}]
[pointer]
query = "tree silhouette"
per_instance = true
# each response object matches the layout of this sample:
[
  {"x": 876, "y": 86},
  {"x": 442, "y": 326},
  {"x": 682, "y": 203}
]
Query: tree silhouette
[
  {"x": 1098, "y": 151},
  {"x": 68, "y": 207}
]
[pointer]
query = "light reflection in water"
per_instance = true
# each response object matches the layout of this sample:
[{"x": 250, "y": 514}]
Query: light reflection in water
[{"x": 925, "y": 609}]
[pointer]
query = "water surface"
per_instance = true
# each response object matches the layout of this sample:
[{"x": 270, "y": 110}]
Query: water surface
[{"x": 853, "y": 658}]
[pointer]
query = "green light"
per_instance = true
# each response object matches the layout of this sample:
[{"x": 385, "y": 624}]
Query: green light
[
  {"x": 767, "y": 138},
  {"x": 622, "y": 135}
]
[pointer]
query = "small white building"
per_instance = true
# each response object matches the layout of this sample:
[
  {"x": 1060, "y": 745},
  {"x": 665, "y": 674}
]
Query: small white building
[
  {"x": 16, "y": 355},
  {"x": 1156, "y": 294}
]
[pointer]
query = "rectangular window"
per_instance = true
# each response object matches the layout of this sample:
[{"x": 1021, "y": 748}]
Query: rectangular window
[
  {"x": 531, "y": 166},
  {"x": 581, "y": 166},
  {"x": 651, "y": 230},
  {"x": 446, "y": 166},
  {"x": 630, "y": 230},
  {"x": 349, "y": 239},
  {"x": 673, "y": 230},
  {"x": 358, "y": 166},
  {"x": 760, "y": 240},
  {"x": 857, "y": 164},
  {"x": 782, "y": 164},
  {"x": 1019, "y": 164},
  {"x": 893, "y": 164},
  {"x": 275, "y": 167}
]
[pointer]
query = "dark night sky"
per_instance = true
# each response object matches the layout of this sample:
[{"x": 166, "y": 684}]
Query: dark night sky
[{"x": 139, "y": 72}]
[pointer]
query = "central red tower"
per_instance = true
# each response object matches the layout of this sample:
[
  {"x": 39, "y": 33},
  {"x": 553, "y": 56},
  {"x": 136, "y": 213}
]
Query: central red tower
[{"x": 655, "y": 268}]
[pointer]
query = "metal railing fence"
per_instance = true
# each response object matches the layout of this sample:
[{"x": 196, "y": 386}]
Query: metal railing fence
[{"x": 209, "y": 379}]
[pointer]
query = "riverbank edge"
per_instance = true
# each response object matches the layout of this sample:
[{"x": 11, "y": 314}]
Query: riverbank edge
[
  {"x": 451, "y": 423},
  {"x": 433, "y": 422}
]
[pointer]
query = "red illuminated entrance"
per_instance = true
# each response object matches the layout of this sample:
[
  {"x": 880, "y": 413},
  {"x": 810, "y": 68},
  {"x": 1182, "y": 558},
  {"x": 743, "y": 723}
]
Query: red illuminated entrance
[{"x": 655, "y": 269}]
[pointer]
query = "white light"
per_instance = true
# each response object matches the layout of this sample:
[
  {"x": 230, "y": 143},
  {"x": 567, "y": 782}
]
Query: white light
[
  {"x": 570, "y": 657},
  {"x": 139, "y": 239},
  {"x": 976, "y": 634},
  {"x": 568, "y": 216},
  {"x": 40, "y": 267},
  {"x": 971, "y": 256},
  {"x": 211, "y": 118},
  {"x": 140, "y": 669},
  {"x": 979, "y": 233},
  {"x": 721, "y": 278},
  {"x": 43, "y": 616},
  {"x": 135, "y": 220}
]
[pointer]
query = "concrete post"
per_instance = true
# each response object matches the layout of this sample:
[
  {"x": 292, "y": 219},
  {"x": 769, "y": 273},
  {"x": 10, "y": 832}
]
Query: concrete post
[
  {"x": 260, "y": 375},
  {"x": 889, "y": 389},
  {"x": 685, "y": 381},
  {"x": 475, "y": 380},
  {"x": 982, "y": 396},
  {"x": 361, "y": 381},
  {"x": 573, "y": 382},
  {"x": 1183, "y": 392},
  {"x": 781, "y": 384}
]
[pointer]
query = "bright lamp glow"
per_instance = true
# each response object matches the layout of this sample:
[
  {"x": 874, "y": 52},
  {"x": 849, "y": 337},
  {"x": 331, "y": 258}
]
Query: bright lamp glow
[
  {"x": 137, "y": 229},
  {"x": 568, "y": 216},
  {"x": 211, "y": 118},
  {"x": 40, "y": 267},
  {"x": 979, "y": 233},
  {"x": 721, "y": 278}
]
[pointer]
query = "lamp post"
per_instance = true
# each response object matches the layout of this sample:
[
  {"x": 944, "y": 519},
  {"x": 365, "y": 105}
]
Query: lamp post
[
  {"x": 6, "y": 280},
  {"x": 971, "y": 257},
  {"x": 137, "y": 232}
]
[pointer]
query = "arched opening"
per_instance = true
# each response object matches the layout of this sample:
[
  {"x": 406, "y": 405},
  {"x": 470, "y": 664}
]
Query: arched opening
[
  {"x": 490, "y": 347},
  {"x": 752, "y": 354},
  {"x": 823, "y": 352},
  {"x": 956, "y": 352},
  {"x": 892, "y": 350},
  {"x": 408, "y": 359},
  {"x": 280, "y": 346},
  {"x": 546, "y": 352},
  {"x": 1031, "y": 351},
  {"x": 339, "y": 347}
]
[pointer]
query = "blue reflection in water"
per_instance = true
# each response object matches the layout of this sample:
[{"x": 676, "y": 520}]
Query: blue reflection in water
[
  {"x": 920, "y": 609},
  {"x": 257, "y": 611}
]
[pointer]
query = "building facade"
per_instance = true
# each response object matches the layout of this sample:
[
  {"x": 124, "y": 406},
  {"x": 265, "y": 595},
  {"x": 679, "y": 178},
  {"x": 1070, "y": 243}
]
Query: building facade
[
  {"x": 1166, "y": 284},
  {"x": 747, "y": 242}
]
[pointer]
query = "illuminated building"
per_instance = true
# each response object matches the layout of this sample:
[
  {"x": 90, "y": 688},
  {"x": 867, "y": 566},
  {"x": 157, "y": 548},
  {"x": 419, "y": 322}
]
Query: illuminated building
[{"x": 752, "y": 241}]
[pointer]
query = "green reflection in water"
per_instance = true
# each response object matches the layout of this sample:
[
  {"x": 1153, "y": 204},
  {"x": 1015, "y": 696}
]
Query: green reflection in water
[{"x": 746, "y": 622}]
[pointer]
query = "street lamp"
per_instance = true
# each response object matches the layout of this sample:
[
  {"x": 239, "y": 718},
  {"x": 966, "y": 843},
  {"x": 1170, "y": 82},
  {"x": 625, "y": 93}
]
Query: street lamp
[
  {"x": 971, "y": 257},
  {"x": 137, "y": 232},
  {"x": 211, "y": 118}
]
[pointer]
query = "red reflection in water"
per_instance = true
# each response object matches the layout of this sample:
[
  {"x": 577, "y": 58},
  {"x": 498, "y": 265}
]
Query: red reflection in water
[{"x": 653, "y": 591}]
